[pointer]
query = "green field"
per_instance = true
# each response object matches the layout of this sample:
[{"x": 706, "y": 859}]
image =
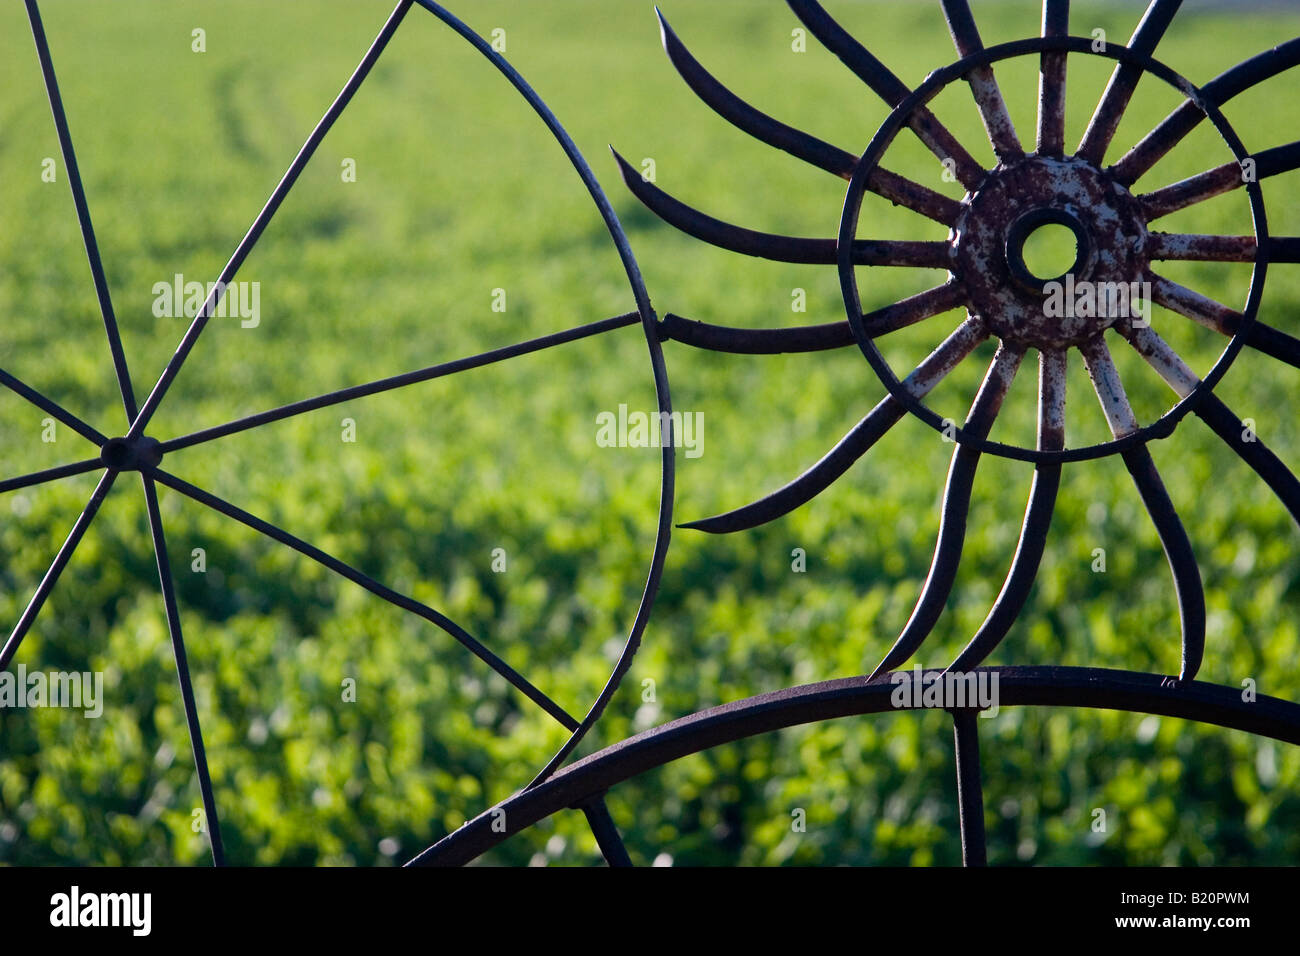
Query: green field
[{"x": 460, "y": 192}]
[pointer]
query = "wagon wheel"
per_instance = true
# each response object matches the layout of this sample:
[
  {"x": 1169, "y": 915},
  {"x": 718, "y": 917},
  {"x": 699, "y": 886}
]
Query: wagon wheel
[
  {"x": 988, "y": 277},
  {"x": 137, "y": 450}
]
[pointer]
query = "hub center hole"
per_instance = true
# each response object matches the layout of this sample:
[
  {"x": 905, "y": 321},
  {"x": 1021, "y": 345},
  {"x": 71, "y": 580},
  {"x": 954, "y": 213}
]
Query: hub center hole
[
  {"x": 1050, "y": 251},
  {"x": 1044, "y": 245}
]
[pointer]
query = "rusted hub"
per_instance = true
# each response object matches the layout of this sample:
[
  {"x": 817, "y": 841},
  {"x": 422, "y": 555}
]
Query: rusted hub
[{"x": 1110, "y": 233}]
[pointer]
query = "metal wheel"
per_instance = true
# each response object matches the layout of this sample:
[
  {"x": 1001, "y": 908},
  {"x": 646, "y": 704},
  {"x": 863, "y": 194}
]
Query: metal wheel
[
  {"x": 988, "y": 276},
  {"x": 136, "y": 450}
]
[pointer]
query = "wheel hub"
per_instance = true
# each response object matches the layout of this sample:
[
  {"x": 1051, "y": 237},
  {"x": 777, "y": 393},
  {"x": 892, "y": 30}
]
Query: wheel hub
[{"x": 1032, "y": 311}]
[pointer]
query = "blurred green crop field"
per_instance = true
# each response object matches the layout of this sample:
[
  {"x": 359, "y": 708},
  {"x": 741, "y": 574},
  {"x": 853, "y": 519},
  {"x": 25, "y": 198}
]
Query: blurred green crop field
[{"x": 460, "y": 192}]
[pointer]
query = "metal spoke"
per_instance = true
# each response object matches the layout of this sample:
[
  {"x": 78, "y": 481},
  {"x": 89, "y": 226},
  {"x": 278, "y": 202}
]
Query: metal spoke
[
  {"x": 212, "y": 824},
  {"x": 853, "y": 445},
  {"x": 51, "y": 407},
  {"x": 1217, "y": 181},
  {"x": 264, "y": 218},
  {"x": 50, "y": 474},
  {"x": 983, "y": 84},
  {"x": 801, "y": 145},
  {"x": 1105, "y": 121},
  {"x": 1248, "y": 446},
  {"x": 813, "y": 338},
  {"x": 956, "y": 507},
  {"x": 1175, "y": 127},
  {"x": 889, "y": 88},
  {"x": 970, "y": 790},
  {"x": 1052, "y": 69},
  {"x": 763, "y": 245},
  {"x": 399, "y": 381},
  {"x": 605, "y": 832},
  {"x": 1217, "y": 316},
  {"x": 1173, "y": 536},
  {"x": 1038, "y": 519},
  {"x": 1284, "y": 249},
  {"x": 924, "y": 305},
  {"x": 373, "y": 586},
  {"x": 1186, "y": 302},
  {"x": 1110, "y": 390},
  {"x": 1270, "y": 341},
  {"x": 722, "y": 338},
  {"x": 1163, "y": 246},
  {"x": 60, "y": 562},
  {"x": 83, "y": 211}
]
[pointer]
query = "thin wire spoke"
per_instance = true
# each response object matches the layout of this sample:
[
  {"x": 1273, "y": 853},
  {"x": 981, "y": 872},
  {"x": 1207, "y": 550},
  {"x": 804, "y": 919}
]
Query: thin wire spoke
[
  {"x": 1052, "y": 70},
  {"x": 50, "y": 474},
  {"x": 853, "y": 445},
  {"x": 400, "y": 381},
  {"x": 605, "y": 832},
  {"x": 1105, "y": 121},
  {"x": 1219, "y": 180},
  {"x": 263, "y": 219},
  {"x": 897, "y": 189},
  {"x": 954, "y": 511},
  {"x": 374, "y": 587},
  {"x": 765, "y": 245},
  {"x": 52, "y": 408},
  {"x": 1038, "y": 519},
  {"x": 1175, "y": 127},
  {"x": 1188, "y": 247},
  {"x": 983, "y": 84},
  {"x": 1221, "y": 419},
  {"x": 970, "y": 790},
  {"x": 211, "y": 821},
  {"x": 1188, "y": 588},
  {"x": 83, "y": 211},
  {"x": 881, "y": 81},
  {"x": 60, "y": 562}
]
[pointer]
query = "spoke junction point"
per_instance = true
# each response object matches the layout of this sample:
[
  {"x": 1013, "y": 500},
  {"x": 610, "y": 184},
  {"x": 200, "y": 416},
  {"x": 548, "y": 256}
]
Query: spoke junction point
[{"x": 131, "y": 454}]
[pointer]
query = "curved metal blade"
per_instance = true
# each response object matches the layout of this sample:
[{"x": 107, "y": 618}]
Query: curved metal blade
[
  {"x": 1252, "y": 451},
  {"x": 1179, "y": 553},
  {"x": 889, "y": 88},
  {"x": 764, "y": 245},
  {"x": 745, "y": 117},
  {"x": 796, "y": 142},
  {"x": 956, "y": 507},
  {"x": 1173, "y": 536},
  {"x": 853, "y": 445},
  {"x": 1038, "y": 519},
  {"x": 1219, "y": 417},
  {"x": 722, "y": 338}
]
